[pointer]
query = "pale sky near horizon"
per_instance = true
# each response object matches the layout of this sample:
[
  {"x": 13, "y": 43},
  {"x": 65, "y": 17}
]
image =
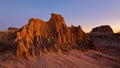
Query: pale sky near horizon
[{"x": 87, "y": 13}]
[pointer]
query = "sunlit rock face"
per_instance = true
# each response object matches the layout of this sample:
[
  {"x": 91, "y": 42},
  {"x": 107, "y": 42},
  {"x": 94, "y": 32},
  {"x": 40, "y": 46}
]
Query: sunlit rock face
[{"x": 51, "y": 36}]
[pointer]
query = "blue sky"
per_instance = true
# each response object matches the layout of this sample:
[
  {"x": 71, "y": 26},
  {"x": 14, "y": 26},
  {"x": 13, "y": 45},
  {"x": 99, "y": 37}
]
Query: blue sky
[{"x": 87, "y": 13}]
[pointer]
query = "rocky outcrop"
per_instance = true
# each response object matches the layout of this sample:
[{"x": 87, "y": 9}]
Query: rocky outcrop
[
  {"x": 39, "y": 37},
  {"x": 51, "y": 36},
  {"x": 7, "y": 40},
  {"x": 103, "y": 39},
  {"x": 103, "y": 28},
  {"x": 52, "y": 44},
  {"x": 116, "y": 37},
  {"x": 104, "y": 31}
]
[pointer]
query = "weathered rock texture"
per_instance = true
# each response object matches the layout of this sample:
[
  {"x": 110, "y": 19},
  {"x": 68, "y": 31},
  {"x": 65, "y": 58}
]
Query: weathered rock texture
[
  {"x": 105, "y": 40},
  {"x": 100, "y": 35},
  {"x": 103, "y": 28},
  {"x": 52, "y": 36},
  {"x": 39, "y": 37},
  {"x": 7, "y": 40},
  {"x": 41, "y": 44}
]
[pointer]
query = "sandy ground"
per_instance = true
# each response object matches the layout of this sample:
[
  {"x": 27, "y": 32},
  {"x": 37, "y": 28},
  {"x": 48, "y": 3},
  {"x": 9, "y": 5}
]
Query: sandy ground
[{"x": 72, "y": 59}]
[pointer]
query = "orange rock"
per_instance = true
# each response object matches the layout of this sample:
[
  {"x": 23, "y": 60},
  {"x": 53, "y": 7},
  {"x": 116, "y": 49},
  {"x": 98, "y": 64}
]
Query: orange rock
[{"x": 49, "y": 36}]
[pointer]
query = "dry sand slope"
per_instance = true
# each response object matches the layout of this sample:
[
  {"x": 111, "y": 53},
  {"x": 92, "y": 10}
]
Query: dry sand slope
[{"x": 72, "y": 59}]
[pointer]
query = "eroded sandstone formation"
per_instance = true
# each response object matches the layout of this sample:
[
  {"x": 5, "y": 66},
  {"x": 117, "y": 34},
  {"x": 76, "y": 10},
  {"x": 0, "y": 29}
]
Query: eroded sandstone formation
[
  {"x": 52, "y": 44},
  {"x": 39, "y": 37},
  {"x": 51, "y": 36},
  {"x": 103, "y": 28},
  {"x": 105, "y": 40},
  {"x": 7, "y": 40},
  {"x": 101, "y": 35}
]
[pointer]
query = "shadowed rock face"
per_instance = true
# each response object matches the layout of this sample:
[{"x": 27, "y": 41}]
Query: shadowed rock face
[
  {"x": 7, "y": 40},
  {"x": 101, "y": 33},
  {"x": 103, "y": 28},
  {"x": 104, "y": 31},
  {"x": 52, "y": 36},
  {"x": 105, "y": 40}
]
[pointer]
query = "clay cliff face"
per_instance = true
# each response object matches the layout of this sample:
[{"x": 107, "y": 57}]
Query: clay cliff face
[
  {"x": 39, "y": 37},
  {"x": 51, "y": 36},
  {"x": 101, "y": 34},
  {"x": 7, "y": 40},
  {"x": 52, "y": 44},
  {"x": 105, "y": 40},
  {"x": 103, "y": 28}
]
